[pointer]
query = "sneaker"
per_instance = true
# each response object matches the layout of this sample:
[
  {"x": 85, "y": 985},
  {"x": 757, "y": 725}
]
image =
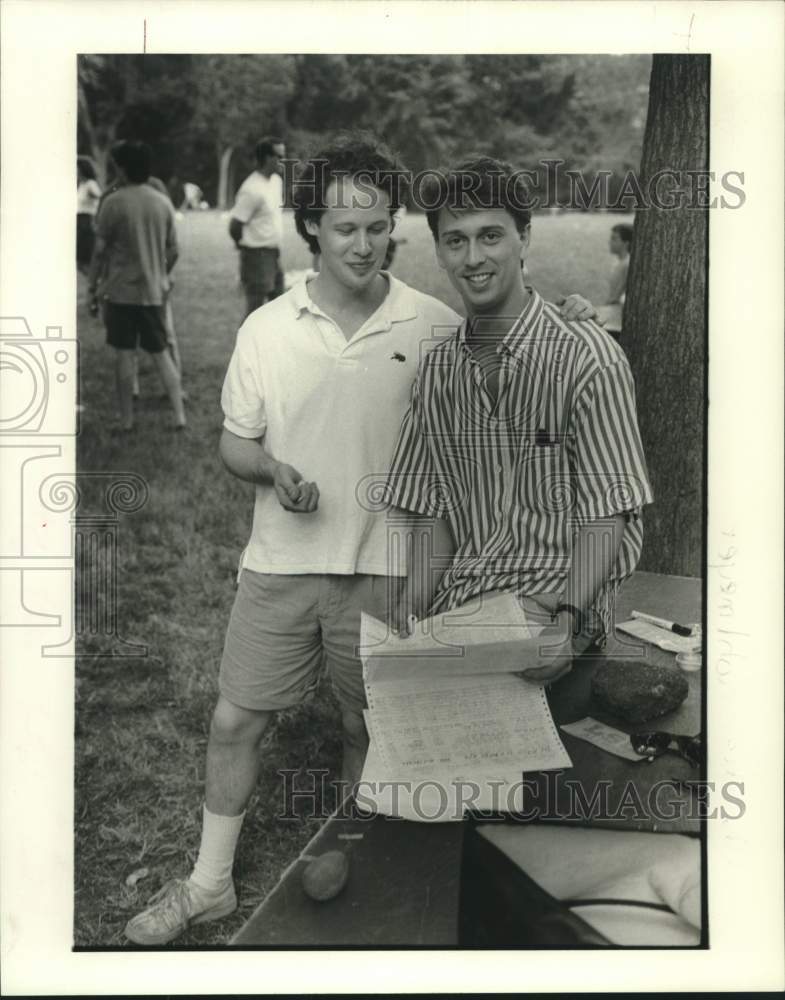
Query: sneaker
[{"x": 175, "y": 907}]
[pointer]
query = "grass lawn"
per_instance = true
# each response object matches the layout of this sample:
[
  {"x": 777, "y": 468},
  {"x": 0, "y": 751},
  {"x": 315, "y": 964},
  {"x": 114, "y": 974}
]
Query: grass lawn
[{"x": 141, "y": 723}]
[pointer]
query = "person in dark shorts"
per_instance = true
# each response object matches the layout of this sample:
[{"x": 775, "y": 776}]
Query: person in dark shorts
[
  {"x": 136, "y": 248},
  {"x": 172, "y": 346}
]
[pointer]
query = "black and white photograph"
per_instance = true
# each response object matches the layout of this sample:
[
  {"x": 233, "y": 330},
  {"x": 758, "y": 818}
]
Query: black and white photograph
[
  {"x": 369, "y": 207},
  {"x": 385, "y": 491}
]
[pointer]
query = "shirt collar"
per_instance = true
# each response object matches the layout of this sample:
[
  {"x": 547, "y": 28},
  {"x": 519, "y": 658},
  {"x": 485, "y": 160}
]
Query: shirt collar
[
  {"x": 399, "y": 305},
  {"x": 526, "y": 323}
]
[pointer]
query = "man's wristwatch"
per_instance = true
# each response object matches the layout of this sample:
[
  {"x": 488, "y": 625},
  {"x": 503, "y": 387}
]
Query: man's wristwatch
[{"x": 578, "y": 616}]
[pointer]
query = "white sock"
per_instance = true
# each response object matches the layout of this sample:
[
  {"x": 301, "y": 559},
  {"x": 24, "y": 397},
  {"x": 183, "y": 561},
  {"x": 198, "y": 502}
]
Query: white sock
[{"x": 213, "y": 868}]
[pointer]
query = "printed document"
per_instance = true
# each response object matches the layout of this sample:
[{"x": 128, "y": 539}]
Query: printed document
[{"x": 445, "y": 707}]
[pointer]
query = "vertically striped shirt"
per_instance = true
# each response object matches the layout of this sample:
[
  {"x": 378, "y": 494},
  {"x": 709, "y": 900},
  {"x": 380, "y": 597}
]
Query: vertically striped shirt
[{"x": 517, "y": 477}]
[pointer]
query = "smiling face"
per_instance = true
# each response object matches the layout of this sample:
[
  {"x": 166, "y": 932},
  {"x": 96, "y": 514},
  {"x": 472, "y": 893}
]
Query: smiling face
[
  {"x": 481, "y": 251},
  {"x": 353, "y": 233}
]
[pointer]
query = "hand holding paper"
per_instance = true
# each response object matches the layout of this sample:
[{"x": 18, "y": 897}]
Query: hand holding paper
[{"x": 444, "y": 705}]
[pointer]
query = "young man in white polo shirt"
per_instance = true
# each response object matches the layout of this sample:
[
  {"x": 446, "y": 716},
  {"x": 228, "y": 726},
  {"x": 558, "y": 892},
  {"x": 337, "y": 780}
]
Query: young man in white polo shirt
[
  {"x": 256, "y": 226},
  {"x": 313, "y": 399}
]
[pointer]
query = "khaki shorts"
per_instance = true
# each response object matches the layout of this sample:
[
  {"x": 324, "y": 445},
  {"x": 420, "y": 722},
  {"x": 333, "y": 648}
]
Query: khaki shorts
[{"x": 281, "y": 630}]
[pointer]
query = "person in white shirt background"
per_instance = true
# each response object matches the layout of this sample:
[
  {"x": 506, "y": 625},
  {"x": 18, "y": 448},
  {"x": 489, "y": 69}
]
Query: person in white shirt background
[
  {"x": 88, "y": 197},
  {"x": 256, "y": 226}
]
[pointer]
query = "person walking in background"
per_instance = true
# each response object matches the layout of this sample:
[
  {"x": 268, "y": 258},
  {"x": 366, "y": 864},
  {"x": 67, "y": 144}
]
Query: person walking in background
[
  {"x": 136, "y": 248},
  {"x": 88, "y": 197},
  {"x": 171, "y": 336},
  {"x": 256, "y": 226},
  {"x": 610, "y": 314}
]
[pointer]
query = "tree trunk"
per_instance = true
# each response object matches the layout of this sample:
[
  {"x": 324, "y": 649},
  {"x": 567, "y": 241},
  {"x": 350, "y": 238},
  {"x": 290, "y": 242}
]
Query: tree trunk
[
  {"x": 99, "y": 146},
  {"x": 225, "y": 186},
  {"x": 665, "y": 317}
]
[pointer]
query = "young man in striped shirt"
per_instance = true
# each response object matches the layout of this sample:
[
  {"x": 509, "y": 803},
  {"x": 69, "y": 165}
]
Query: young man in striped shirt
[{"x": 520, "y": 449}]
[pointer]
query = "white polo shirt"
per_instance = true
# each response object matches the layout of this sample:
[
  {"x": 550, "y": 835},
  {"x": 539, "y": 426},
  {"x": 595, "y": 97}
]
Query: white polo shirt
[
  {"x": 332, "y": 408},
  {"x": 259, "y": 206}
]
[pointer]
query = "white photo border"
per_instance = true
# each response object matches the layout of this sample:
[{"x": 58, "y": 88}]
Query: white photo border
[{"x": 40, "y": 42}]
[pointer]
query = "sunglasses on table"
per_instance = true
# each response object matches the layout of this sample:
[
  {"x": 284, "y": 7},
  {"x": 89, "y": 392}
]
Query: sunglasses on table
[{"x": 653, "y": 744}]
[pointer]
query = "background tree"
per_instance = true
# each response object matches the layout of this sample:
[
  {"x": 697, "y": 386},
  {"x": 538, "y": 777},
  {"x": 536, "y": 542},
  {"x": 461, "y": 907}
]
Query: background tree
[
  {"x": 134, "y": 97},
  {"x": 665, "y": 317},
  {"x": 203, "y": 113},
  {"x": 237, "y": 100}
]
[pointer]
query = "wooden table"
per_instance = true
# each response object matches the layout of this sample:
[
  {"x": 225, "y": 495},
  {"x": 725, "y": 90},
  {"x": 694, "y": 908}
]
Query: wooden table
[{"x": 404, "y": 881}]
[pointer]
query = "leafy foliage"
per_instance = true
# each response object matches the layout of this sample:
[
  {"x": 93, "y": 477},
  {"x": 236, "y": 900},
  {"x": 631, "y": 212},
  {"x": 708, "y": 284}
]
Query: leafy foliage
[
  {"x": 237, "y": 98},
  {"x": 124, "y": 97},
  {"x": 587, "y": 110}
]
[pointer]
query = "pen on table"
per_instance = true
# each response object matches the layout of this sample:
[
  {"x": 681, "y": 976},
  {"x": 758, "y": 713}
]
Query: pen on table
[{"x": 684, "y": 630}]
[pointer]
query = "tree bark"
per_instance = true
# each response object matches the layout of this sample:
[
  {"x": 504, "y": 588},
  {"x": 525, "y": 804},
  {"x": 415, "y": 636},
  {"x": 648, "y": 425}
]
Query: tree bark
[
  {"x": 225, "y": 177},
  {"x": 665, "y": 316},
  {"x": 99, "y": 151}
]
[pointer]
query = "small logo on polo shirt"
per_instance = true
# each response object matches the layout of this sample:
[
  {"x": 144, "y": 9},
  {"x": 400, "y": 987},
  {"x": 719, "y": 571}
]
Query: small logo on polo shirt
[{"x": 397, "y": 357}]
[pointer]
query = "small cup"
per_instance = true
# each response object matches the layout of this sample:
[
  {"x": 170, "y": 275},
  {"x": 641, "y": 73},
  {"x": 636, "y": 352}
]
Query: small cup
[{"x": 690, "y": 660}]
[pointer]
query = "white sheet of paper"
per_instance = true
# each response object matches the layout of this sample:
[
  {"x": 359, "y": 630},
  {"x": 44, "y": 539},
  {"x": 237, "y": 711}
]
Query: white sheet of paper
[
  {"x": 660, "y": 637},
  {"x": 439, "y": 798},
  {"x": 605, "y": 737},
  {"x": 444, "y": 709},
  {"x": 464, "y": 722},
  {"x": 486, "y": 635}
]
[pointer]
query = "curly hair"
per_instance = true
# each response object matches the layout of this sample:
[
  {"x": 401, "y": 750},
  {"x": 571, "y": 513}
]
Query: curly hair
[{"x": 350, "y": 154}]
